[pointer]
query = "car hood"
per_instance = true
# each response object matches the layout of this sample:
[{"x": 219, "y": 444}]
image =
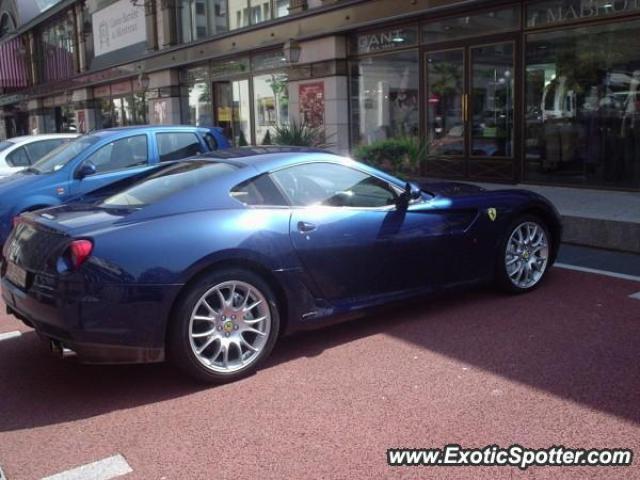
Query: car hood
[
  {"x": 450, "y": 189},
  {"x": 18, "y": 180}
]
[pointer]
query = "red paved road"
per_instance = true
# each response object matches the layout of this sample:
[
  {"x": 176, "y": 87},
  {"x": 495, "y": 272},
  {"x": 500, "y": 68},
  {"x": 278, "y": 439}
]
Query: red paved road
[{"x": 558, "y": 366}]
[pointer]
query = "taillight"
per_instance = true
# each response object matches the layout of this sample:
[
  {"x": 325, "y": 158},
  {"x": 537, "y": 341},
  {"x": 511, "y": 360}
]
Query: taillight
[{"x": 79, "y": 251}]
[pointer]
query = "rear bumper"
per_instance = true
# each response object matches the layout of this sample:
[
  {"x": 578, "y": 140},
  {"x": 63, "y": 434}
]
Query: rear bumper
[{"x": 123, "y": 324}]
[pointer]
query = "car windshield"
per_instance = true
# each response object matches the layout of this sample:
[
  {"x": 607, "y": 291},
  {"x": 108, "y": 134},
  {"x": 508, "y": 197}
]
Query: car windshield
[
  {"x": 60, "y": 156},
  {"x": 170, "y": 180},
  {"x": 6, "y": 144}
]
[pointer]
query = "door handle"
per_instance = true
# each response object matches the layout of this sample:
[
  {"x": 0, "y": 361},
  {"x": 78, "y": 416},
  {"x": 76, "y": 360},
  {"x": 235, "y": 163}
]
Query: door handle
[{"x": 306, "y": 227}]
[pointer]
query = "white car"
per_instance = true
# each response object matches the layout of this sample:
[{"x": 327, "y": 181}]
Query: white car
[{"x": 18, "y": 153}]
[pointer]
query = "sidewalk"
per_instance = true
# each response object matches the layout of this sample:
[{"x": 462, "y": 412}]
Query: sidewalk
[{"x": 594, "y": 218}]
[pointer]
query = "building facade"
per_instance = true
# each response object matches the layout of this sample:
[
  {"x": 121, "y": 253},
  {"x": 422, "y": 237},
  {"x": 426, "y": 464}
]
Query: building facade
[{"x": 536, "y": 91}]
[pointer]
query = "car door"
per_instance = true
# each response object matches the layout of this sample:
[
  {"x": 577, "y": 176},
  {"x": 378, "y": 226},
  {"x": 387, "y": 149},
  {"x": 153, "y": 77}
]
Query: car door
[
  {"x": 352, "y": 238},
  {"x": 113, "y": 161}
]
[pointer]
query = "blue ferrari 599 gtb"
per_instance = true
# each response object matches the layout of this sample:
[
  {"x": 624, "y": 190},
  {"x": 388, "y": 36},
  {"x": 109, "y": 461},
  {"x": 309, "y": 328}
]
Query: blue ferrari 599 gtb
[{"x": 208, "y": 261}]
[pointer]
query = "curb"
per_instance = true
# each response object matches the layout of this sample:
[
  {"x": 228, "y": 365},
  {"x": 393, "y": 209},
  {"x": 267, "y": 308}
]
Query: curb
[{"x": 601, "y": 233}]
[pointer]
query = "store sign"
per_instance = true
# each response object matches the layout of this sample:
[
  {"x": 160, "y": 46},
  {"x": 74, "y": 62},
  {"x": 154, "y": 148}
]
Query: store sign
[
  {"x": 386, "y": 39},
  {"x": 119, "y": 25},
  {"x": 562, "y": 11}
]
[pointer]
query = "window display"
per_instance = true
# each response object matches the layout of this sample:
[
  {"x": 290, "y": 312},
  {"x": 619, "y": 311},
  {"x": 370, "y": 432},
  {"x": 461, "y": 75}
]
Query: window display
[
  {"x": 384, "y": 93},
  {"x": 583, "y": 106},
  {"x": 271, "y": 94}
]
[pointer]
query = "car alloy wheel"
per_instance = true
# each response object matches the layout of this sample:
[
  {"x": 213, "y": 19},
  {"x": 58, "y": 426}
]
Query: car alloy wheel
[
  {"x": 526, "y": 254},
  {"x": 229, "y": 326}
]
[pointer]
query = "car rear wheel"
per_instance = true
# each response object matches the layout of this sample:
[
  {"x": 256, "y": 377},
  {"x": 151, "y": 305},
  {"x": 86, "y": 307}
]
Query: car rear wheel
[
  {"x": 225, "y": 326},
  {"x": 524, "y": 255}
]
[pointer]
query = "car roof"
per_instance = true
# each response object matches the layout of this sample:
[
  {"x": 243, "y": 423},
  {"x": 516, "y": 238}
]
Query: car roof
[
  {"x": 265, "y": 158},
  {"x": 152, "y": 127},
  {"x": 44, "y": 136},
  {"x": 110, "y": 132}
]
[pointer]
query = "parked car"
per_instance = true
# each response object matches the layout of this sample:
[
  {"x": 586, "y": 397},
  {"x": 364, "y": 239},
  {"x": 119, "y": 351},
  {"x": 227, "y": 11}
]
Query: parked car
[
  {"x": 209, "y": 260},
  {"x": 97, "y": 159},
  {"x": 18, "y": 153}
]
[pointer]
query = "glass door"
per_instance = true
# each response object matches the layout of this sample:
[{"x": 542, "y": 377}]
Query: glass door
[
  {"x": 446, "y": 113},
  {"x": 470, "y": 111},
  {"x": 232, "y": 110}
]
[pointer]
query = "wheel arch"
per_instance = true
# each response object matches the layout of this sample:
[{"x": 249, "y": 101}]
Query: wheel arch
[{"x": 243, "y": 263}]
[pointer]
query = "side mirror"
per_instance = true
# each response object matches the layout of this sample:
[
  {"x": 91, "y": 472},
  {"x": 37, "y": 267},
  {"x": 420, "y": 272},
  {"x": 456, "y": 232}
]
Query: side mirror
[
  {"x": 86, "y": 169},
  {"x": 411, "y": 192}
]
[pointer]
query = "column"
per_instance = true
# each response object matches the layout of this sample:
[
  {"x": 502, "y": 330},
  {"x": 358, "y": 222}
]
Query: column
[
  {"x": 36, "y": 116},
  {"x": 164, "y": 98},
  {"x": 318, "y": 89}
]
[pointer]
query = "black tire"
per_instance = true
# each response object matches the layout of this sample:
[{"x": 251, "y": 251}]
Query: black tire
[
  {"x": 503, "y": 280},
  {"x": 179, "y": 343}
]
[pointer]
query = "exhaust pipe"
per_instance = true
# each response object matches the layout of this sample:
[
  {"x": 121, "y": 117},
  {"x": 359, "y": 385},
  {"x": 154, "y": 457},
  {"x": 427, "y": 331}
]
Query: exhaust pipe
[{"x": 58, "y": 349}]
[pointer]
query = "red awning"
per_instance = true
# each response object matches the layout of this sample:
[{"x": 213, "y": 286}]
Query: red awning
[{"x": 13, "y": 73}]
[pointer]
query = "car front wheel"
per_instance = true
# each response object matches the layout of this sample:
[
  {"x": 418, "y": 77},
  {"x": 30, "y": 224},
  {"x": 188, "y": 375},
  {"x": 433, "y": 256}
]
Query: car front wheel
[
  {"x": 524, "y": 255},
  {"x": 225, "y": 326}
]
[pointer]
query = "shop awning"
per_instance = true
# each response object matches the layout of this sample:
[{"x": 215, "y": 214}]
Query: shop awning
[{"x": 13, "y": 72}]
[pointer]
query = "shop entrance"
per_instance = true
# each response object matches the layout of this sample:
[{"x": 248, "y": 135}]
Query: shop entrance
[
  {"x": 232, "y": 110},
  {"x": 470, "y": 110}
]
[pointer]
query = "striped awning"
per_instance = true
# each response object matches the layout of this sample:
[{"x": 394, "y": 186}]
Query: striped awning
[{"x": 13, "y": 73}]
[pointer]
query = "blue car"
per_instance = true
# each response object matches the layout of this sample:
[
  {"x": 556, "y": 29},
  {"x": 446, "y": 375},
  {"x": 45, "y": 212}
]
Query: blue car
[
  {"x": 209, "y": 261},
  {"x": 96, "y": 159}
]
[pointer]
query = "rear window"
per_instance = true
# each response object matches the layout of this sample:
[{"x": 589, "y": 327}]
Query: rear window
[
  {"x": 169, "y": 181},
  {"x": 4, "y": 145},
  {"x": 178, "y": 145},
  {"x": 37, "y": 150}
]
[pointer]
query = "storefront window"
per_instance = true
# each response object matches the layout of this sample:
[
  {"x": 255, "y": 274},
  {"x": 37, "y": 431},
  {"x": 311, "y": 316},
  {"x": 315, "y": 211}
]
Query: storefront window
[
  {"x": 384, "y": 92},
  {"x": 199, "y": 19},
  {"x": 196, "y": 100},
  {"x": 57, "y": 50},
  {"x": 583, "y": 106},
  {"x": 271, "y": 97},
  {"x": 122, "y": 111}
]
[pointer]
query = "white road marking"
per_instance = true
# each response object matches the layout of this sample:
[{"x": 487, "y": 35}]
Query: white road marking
[
  {"x": 106, "y": 469},
  {"x": 635, "y": 296},
  {"x": 624, "y": 276},
  {"x": 8, "y": 335}
]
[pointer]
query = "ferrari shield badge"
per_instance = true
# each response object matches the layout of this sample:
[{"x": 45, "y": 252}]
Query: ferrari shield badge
[{"x": 492, "y": 213}]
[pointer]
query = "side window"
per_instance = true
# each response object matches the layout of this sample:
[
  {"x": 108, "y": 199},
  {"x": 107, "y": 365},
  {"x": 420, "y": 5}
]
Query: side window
[
  {"x": 210, "y": 140},
  {"x": 37, "y": 150},
  {"x": 177, "y": 145},
  {"x": 18, "y": 158},
  {"x": 333, "y": 185},
  {"x": 121, "y": 154},
  {"x": 258, "y": 191}
]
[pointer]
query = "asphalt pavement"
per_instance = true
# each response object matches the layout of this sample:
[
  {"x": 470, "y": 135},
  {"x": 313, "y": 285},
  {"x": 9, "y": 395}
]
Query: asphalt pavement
[{"x": 558, "y": 366}]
